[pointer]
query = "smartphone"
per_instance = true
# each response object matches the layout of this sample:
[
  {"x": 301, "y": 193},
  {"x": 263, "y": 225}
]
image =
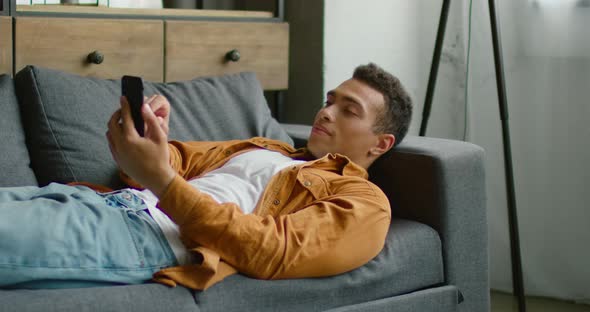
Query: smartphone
[{"x": 132, "y": 89}]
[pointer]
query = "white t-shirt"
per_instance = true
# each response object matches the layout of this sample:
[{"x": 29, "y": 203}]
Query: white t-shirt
[{"x": 241, "y": 180}]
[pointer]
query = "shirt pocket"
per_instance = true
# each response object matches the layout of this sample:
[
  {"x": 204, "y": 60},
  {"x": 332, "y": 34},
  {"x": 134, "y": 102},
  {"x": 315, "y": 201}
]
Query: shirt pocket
[{"x": 315, "y": 184}]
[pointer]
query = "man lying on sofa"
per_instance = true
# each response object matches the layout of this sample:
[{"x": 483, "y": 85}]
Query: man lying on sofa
[{"x": 210, "y": 209}]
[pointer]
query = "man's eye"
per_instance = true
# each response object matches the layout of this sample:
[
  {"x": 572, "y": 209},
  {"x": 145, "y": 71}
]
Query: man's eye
[{"x": 351, "y": 112}]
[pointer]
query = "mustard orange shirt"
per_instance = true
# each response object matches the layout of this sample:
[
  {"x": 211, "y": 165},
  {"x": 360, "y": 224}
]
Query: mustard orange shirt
[{"x": 319, "y": 218}]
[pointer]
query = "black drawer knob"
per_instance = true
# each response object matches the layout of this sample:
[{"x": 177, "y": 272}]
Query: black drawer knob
[
  {"x": 95, "y": 57},
  {"x": 233, "y": 55}
]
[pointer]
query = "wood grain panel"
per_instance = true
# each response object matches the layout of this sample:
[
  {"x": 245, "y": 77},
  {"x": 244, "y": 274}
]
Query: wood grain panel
[
  {"x": 198, "y": 48},
  {"x": 5, "y": 45},
  {"x": 83, "y": 9},
  {"x": 130, "y": 47}
]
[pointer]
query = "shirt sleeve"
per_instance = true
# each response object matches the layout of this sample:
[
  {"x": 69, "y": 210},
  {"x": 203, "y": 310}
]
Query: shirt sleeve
[
  {"x": 329, "y": 236},
  {"x": 188, "y": 159}
]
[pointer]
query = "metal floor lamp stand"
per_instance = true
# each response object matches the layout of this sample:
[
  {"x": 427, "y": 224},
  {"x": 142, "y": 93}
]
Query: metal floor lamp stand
[{"x": 517, "y": 280}]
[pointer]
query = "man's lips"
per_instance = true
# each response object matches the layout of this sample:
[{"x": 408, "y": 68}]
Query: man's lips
[{"x": 320, "y": 130}]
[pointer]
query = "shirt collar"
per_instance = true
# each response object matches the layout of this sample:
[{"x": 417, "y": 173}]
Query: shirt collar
[
  {"x": 343, "y": 165},
  {"x": 332, "y": 162}
]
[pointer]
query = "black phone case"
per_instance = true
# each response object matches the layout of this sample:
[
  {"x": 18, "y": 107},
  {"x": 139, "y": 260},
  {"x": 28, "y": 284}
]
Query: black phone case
[{"x": 132, "y": 89}]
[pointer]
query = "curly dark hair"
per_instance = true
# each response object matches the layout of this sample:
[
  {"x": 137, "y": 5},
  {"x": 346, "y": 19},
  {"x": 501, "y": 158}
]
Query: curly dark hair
[{"x": 397, "y": 114}]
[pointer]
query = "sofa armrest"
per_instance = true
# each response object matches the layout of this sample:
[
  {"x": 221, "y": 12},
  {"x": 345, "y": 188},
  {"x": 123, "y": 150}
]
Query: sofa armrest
[{"x": 442, "y": 183}]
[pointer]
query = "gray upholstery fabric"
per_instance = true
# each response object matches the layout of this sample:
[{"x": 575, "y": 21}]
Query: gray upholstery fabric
[
  {"x": 442, "y": 183},
  {"x": 410, "y": 260},
  {"x": 136, "y": 298},
  {"x": 65, "y": 125},
  {"x": 67, "y": 114},
  {"x": 228, "y": 107},
  {"x": 14, "y": 164},
  {"x": 440, "y": 299}
]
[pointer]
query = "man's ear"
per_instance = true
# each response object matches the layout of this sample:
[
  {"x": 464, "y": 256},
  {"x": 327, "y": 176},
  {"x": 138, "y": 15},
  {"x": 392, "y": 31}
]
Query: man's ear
[{"x": 384, "y": 143}]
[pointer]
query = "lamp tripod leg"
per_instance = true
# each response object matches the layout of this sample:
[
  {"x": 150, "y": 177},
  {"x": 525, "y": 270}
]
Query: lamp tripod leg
[{"x": 517, "y": 279}]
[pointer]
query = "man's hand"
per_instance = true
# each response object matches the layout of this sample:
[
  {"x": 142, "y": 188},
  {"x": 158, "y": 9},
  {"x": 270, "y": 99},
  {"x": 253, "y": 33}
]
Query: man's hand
[
  {"x": 161, "y": 108},
  {"x": 144, "y": 159}
]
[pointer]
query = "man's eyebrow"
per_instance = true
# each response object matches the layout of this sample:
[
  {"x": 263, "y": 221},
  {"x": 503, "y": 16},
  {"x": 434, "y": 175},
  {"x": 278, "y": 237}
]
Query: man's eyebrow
[{"x": 346, "y": 98}]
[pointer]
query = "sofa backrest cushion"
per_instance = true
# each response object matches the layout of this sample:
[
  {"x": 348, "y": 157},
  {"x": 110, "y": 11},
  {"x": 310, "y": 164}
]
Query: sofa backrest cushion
[
  {"x": 67, "y": 116},
  {"x": 219, "y": 108},
  {"x": 15, "y": 167}
]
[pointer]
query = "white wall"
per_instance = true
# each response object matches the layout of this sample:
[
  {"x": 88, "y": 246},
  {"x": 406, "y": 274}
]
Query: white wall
[
  {"x": 379, "y": 31},
  {"x": 547, "y": 61},
  {"x": 399, "y": 35}
]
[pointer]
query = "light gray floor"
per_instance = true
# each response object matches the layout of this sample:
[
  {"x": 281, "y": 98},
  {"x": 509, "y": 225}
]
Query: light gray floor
[{"x": 502, "y": 302}]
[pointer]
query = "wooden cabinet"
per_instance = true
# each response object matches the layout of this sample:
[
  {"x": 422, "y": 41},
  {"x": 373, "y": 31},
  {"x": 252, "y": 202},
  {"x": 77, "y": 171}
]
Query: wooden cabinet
[
  {"x": 158, "y": 45},
  {"x": 197, "y": 48},
  {"x": 132, "y": 47},
  {"x": 5, "y": 45}
]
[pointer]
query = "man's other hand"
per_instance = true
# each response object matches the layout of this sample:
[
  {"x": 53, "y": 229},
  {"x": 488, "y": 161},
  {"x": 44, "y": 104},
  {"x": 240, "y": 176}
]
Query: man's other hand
[
  {"x": 161, "y": 108},
  {"x": 145, "y": 159}
]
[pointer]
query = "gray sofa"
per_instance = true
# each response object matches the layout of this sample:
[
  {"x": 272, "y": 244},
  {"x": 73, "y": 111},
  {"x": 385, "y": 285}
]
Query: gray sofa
[{"x": 52, "y": 128}]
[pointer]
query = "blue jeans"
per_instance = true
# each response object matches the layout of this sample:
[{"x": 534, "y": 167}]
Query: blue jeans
[{"x": 62, "y": 236}]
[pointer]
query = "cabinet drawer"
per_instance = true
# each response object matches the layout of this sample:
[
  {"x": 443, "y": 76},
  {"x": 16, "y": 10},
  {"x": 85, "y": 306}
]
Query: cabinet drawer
[
  {"x": 5, "y": 45},
  {"x": 198, "y": 48},
  {"x": 128, "y": 47}
]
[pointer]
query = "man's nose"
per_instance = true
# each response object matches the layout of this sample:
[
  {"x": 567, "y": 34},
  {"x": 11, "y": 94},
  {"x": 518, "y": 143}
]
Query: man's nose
[{"x": 326, "y": 114}]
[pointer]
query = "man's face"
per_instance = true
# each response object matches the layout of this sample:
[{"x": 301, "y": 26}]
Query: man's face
[{"x": 345, "y": 124}]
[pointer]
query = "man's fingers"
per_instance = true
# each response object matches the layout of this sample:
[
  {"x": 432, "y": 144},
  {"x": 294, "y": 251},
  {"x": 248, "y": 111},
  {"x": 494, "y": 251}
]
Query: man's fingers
[
  {"x": 113, "y": 123},
  {"x": 114, "y": 127},
  {"x": 159, "y": 105},
  {"x": 127, "y": 121},
  {"x": 114, "y": 133},
  {"x": 152, "y": 102},
  {"x": 161, "y": 109},
  {"x": 112, "y": 147},
  {"x": 150, "y": 99},
  {"x": 154, "y": 131}
]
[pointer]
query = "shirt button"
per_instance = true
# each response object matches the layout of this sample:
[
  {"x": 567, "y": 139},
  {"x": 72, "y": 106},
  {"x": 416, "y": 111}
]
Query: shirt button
[
  {"x": 276, "y": 202},
  {"x": 307, "y": 183},
  {"x": 126, "y": 196}
]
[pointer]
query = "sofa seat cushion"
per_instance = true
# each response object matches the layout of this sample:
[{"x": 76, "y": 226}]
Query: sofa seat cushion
[
  {"x": 439, "y": 299},
  {"x": 15, "y": 164},
  {"x": 66, "y": 118},
  {"x": 132, "y": 298},
  {"x": 410, "y": 260}
]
